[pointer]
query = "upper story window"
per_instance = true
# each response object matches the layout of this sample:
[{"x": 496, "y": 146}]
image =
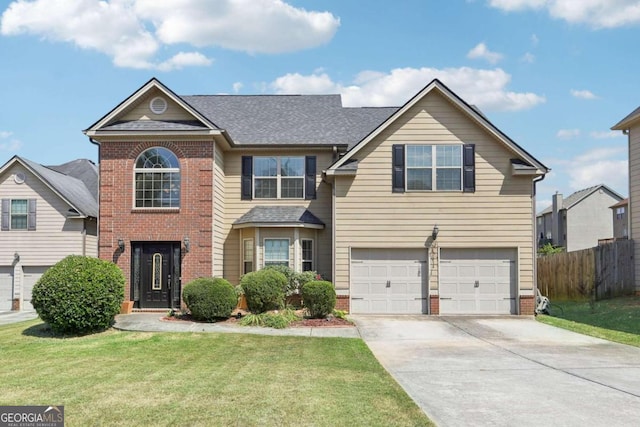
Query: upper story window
[
  {"x": 436, "y": 167},
  {"x": 157, "y": 176},
  {"x": 18, "y": 214},
  {"x": 278, "y": 177},
  {"x": 620, "y": 212}
]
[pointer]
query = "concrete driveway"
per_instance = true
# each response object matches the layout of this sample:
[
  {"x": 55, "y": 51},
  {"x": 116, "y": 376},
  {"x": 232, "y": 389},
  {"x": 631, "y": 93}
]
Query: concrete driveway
[{"x": 507, "y": 371}]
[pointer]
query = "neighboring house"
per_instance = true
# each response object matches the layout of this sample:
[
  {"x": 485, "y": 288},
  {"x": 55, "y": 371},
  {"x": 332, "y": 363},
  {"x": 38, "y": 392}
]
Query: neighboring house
[
  {"x": 48, "y": 212},
  {"x": 425, "y": 208},
  {"x": 620, "y": 219},
  {"x": 578, "y": 221},
  {"x": 630, "y": 126}
]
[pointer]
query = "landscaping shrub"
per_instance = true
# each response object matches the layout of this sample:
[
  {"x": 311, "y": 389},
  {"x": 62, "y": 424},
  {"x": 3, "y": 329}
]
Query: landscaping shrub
[
  {"x": 79, "y": 295},
  {"x": 319, "y": 298},
  {"x": 277, "y": 320},
  {"x": 295, "y": 280},
  {"x": 210, "y": 298},
  {"x": 264, "y": 290}
]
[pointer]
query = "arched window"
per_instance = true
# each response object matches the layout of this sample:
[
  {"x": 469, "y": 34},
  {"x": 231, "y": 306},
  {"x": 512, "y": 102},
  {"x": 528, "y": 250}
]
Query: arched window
[{"x": 157, "y": 174}]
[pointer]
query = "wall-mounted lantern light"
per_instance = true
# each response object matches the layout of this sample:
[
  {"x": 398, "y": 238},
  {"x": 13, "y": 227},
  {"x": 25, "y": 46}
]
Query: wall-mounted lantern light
[
  {"x": 434, "y": 233},
  {"x": 121, "y": 245},
  {"x": 187, "y": 244}
]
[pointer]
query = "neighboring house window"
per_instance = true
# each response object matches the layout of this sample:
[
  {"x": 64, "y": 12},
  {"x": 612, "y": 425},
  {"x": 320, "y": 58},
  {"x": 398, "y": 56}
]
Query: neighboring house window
[
  {"x": 18, "y": 214},
  {"x": 433, "y": 168},
  {"x": 620, "y": 213},
  {"x": 276, "y": 252},
  {"x": 247, "y": 256},
  {"x": 307, "y": 255},
  {"x": 157, "y": 176},
  {"x": 284, "y": 177}
]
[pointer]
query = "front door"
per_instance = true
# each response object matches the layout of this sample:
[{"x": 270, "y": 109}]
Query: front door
[{"x": 156, "y": 274}]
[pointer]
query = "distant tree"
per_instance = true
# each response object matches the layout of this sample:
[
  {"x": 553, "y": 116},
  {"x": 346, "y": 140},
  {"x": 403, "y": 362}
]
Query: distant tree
[{"x": 549, "y": 249}]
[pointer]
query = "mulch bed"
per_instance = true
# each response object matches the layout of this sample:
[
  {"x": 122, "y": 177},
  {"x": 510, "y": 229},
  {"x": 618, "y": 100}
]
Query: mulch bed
[{"x": 330, "y": 322}]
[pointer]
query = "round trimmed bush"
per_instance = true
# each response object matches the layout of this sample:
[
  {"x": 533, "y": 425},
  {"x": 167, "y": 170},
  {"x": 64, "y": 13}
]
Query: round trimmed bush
[
  {"x": 264, "y": 290},
  {"x": 319, "y": 298},
  {"x": 79, "y": 295},
  {"x": 210, "y": 298}
]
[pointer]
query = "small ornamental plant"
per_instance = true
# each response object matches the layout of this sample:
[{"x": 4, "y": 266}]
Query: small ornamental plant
[
  {"x": 319, "y": 298},
  {"x": 79, "y": 295},
  {"x": 209, "y": 299}
]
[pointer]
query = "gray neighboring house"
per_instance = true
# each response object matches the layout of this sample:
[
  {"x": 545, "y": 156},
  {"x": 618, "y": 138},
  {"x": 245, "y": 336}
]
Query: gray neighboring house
[
  {"x": 578, "y": 221},
  {"x": 48, "y": 212}
]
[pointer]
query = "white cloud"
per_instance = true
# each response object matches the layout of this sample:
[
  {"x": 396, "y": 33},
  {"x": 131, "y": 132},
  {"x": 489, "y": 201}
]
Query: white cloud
[
  {"x": 237, "y": 86},
  {"x": 534, "y": 40},
  {"x": 599, "y": 166},
  {"x": 7, "y": 143},
  {"x": 528, "y": 58},
  {"x": 485, "y": 88},
  {"x": 606, "y": 134},
  {"x": 132, "y": 32},
  {"x": 595, "y": 13},
  {"x": 583, "y": 94},
  {"x": 481, "y": 51},
  {"x": 568, "y": 133}
]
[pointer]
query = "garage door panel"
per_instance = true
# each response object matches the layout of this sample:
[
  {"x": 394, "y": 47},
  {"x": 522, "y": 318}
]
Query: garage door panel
[
  {"x": 388, "y": 281},
  {"x": 6, "y": 288},
  {"x": 477, "y": 281}
]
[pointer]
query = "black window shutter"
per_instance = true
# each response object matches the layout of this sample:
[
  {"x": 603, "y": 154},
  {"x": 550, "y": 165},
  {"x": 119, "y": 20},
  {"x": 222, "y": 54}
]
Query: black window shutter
[
  {"x": 469, "y": 168},
  {"x": 6, "y": 203},
  {"x": 310, "y": 177},
  {"x": 398, "y": 168},
  {"x": 247, "y": 175},
  {"x": 31, "y": 218}
]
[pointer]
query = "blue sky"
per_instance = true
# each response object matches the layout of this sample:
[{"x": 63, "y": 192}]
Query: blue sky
[{"x": 554, "y": 75}]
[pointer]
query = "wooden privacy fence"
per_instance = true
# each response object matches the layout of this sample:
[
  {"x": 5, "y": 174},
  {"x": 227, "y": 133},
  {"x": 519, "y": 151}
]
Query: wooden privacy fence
[{"x": 608, "y": 269}]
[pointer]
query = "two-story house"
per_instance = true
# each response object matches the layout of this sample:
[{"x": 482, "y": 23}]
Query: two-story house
[
  {"x": 620, "y": 219},
  {"x": 48, "y": 212},
  {"x": 423, "y": 208},
  {"x": 578, "y": 221}
]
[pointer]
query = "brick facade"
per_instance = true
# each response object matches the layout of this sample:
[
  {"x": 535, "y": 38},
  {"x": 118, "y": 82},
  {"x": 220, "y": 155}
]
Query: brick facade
[
  {"x": 120, "y": 220},
  {"x": 527, "y": 305},
  {"x": 434, "y": 304},
  {"x": 342, "y": 302}
]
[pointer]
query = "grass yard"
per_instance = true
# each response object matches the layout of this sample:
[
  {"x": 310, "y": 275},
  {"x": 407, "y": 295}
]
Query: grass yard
[
  {"x": 200, "y": 379},
  {"x": 616, "y": 319}
]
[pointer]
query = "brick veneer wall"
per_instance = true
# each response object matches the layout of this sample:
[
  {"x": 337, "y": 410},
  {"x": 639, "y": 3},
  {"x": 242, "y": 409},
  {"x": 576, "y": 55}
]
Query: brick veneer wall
[
  {"x": 527, "y": 305},
  {"x": 120, "y": 220},
  {"x": 434, "y": 304},
  {"x": 342, "y": 302}
]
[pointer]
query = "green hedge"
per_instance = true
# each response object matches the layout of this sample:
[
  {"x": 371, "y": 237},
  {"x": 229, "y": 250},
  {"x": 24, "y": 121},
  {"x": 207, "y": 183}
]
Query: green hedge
[
  {"x": 210, "y": 298},
  {"x": 79, "y": 295},
  {"x": 264, "y": 290},
  {"x": 319, "y": 298}
]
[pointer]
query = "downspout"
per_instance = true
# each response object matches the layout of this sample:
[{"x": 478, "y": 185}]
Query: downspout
[
  {"x": 93, "y": 141},
  {"x": 535, "y": 246}
]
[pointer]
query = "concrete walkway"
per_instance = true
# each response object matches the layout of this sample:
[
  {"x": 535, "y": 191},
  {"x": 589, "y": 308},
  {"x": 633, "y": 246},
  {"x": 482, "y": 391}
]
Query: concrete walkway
[
  {"x": 507, "y": 371},
  {"x": 7, "y": 317},
  {"x": 151, "y": 322}
]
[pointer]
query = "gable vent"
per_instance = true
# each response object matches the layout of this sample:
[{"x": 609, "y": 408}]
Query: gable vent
[{"x": 158, "y": 105}]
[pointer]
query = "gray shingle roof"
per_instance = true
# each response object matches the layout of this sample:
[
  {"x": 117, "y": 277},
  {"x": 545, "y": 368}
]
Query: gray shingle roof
[
  {"x": 576, "y": 197},
  {"x": 289, "y": 119},
  {"x": 76, "y": 181},
  {"x": 279, "y": 215}
]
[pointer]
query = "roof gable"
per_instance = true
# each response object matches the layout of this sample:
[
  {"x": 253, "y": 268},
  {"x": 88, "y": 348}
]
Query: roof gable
[
  {"x": 625, "y": 123},
  {"x": 575, "y": 198},
  {"x": 471, "y": 112},
  {"x": 135, "y": 113},
  {"x": 74, "y": 182}
]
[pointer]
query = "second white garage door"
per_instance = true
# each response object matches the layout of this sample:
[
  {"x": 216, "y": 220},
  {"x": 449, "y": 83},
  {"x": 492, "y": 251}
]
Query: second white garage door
[
  {"x": 6, "y": 288},
  {"x": 388, "y": 281},
  {"x": 31, "y": 276},
  {"x": 477, "y": 281}
]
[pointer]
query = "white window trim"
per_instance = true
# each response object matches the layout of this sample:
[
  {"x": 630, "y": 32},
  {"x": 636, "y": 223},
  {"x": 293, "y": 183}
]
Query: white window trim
[
  {"x": 244, "y": 255},
  {"x": 434, "y": 167},
  {"x": 11, "y": 215},
  {"x": 137, "y": 170},
  {"x": 264, "y": 249},
  {"x": 278, "y": 178}
]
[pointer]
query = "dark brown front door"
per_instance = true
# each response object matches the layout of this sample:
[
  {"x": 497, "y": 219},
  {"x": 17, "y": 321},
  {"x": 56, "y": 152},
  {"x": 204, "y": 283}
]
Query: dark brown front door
[{"x": 156, "y": 274}]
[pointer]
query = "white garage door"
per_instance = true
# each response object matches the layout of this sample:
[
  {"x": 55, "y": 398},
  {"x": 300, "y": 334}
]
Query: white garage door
[
  {"x": 478, "y": 281},
  {"x": 388, "y": 281},
  {"x": 31, "y": 276},
  {"x": 6, "y": 288}
]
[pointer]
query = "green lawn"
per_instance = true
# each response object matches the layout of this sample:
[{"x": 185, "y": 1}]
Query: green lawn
[
  {"x": 616, "y": 319},
  {"x": 200, "y": 379}
]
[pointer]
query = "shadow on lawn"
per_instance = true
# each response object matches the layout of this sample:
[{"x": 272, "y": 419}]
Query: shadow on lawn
[{"x": 43, "y": 330}]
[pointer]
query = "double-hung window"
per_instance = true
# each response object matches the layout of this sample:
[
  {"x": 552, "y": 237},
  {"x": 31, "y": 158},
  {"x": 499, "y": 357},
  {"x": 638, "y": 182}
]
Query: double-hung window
[
  {"x": 18, "y": 214},
  {"x": 157, "y": 176},
  {"x": 276, "y": 252},
  {"x": 307, "y": 255},
  {"x": 247, "y": 257},
  {"x": 434, "y": 167},
  {"x": 278, "y": 177}
]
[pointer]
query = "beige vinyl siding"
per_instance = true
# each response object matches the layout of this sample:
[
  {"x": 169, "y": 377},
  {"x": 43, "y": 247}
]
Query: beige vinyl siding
[
  {"x": 235, "y": 208},
  {"x": 497, "y": 215},
  {"x": 634, "y": 194},
  {"x": 218, "y": 211},
  {"x": 55, "y": 236},
  {"x": 141, "y": 110}
]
